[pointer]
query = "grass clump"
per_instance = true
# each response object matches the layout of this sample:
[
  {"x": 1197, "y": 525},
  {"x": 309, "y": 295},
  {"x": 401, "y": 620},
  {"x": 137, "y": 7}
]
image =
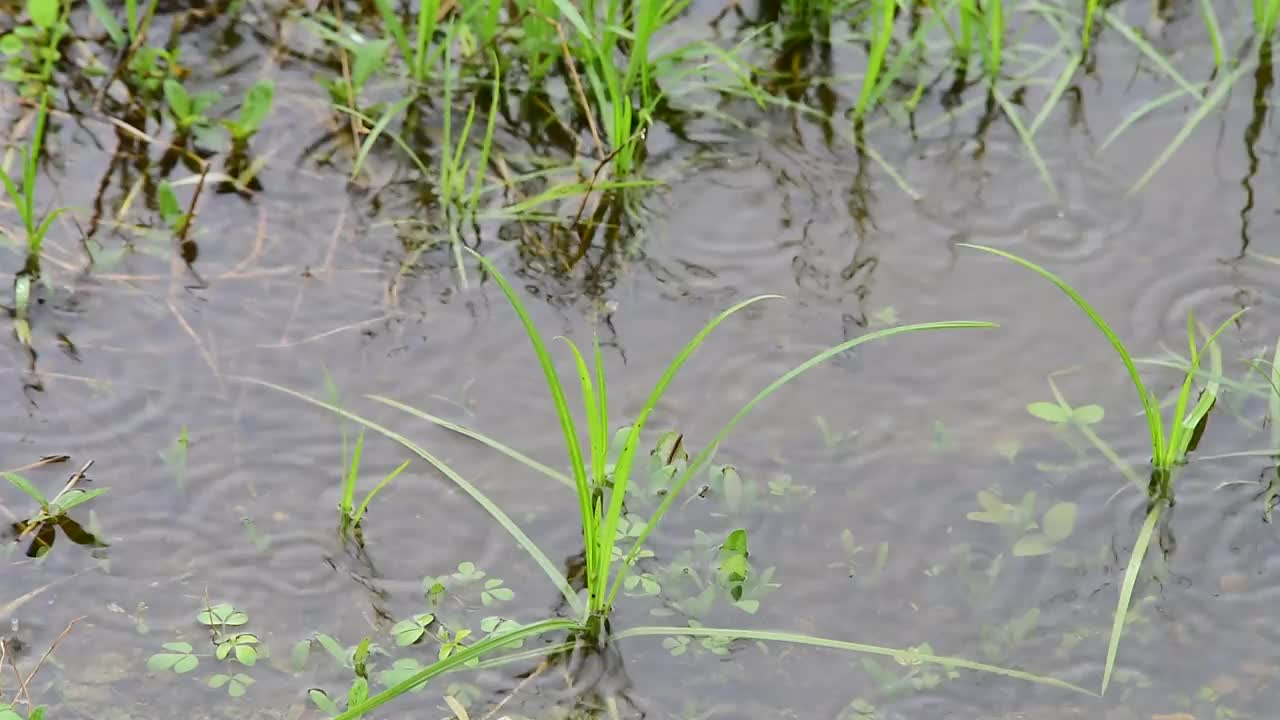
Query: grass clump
[
  {"x": 1170, "y": 442},
  {"x": 600, "y": 477},
  {"x": 22, "y": 193}
]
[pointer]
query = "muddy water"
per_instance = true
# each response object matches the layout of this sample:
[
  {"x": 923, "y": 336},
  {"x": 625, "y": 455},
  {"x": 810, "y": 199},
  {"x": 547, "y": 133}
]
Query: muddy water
[{"x": 303, "y": 278}]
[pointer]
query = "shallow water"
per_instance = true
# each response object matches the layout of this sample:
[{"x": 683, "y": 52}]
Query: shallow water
[{"x": 301, "y": 279}]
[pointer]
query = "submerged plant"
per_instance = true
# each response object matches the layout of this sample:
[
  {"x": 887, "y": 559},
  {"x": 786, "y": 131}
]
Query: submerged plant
[
  {"x": 230, "y": 646},
  {"x": 601, "y": 486}
]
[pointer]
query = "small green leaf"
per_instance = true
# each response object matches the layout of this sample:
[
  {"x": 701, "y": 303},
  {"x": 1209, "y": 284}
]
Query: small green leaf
[
  {"x": 332, "y": 647},
  {"x": 79, "y": 497},
  {"x": 10, "y": 44},
  {"x": 300, "y": 654},
  {"x": 369, "y": 58},
  {"x": 44, "y": 13},
  {"x": 1087, "y": 415},
  {"x": 25, "y": 486},
  {"x": 1059, "y": 521},
  {"x": 178, "y": 99},
  {"x": 222, "y": 614},
  {"x": 322, "y": 701},
  {"x": 401, "y": 670},
  {"x": 1032, "y": 545},
  {"x": 217, "y": 681},
  {"x": 1049, "y": 412},
  {"x": 108, "y": 20},
  {"x": 257, "y": 105},
  {"x": 170, "y": 210},
  {"x": 408, "y": 632}
]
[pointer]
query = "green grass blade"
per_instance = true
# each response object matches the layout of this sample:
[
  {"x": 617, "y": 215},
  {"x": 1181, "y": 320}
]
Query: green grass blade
[
  {"x": 1207, "y": 106},
  {"x": 1142, "y": 111},
  {"x": 875, "y": 59},
  {"x": 1126, "y": 590},
  {"x": 1060, "y": 87},
  {"x": 1214, "y": 31},
  {"x": 364, "y": 504},
  {"x": 595, "y": 438},
  {"x": 1155, "y": 56},
  {"x": 705, "y": 455},
  {"x": 395, "y": 137},
  {"x": 395, "y": 27},
  {"x": 1186, "y": 428},
  {"x": 26, "y": 487},
  {"x": 1154, "y": 422},
  {"x": 454, "y": 661},
  {"x": 622, "y": 469},
  {"x": 76, "y": 498},
  {"x": 1273, "y": 401},
  {"x": 548, "y": 567},
  {"x": 993, "y": 24},
  {"x": 349, "y": 481},
  {"x": 1086, "y": 34},
  {"x": 109, "y": 22},
  {"x": 601, "y": 458},
  {"x": 376, "y": 131},
  {"x": 557, "y": 395},
  {"x": 486, "y": 147},
  {"x": 906, "y": 657},
  {"x": 481, "y": 438},
  {"x": 1011, "y": 112}
]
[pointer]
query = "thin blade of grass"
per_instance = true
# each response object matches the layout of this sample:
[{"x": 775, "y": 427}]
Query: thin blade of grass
[
  {"x": 548, "y": 567},
  {"x": 1154, "y": 422},
  {"x": 1214, "y": 31},
  {"x": 557, "y": 395},
  {"x": 622, "y": 469},
  {"x": 349, "y": 481},
  {"x": 705, "y": 455},
  {"x": 1126, "y": 590},
  {"x": 1206, "y": 106},
  {"x": 456, "y": 660},
  {"x": 376, "y": 131},
  {"x": 1152, "y": 54},
  {"x": 480, "y": 438},
  {"x": 906, "y": 657},
  {"x": 875, "y": 59},
  {"x": 364, "y": 504},
  {"x": 26, "y": 487},
  {"x": 1011, "y": 112},
  {"x": 1214, "y": 383}
]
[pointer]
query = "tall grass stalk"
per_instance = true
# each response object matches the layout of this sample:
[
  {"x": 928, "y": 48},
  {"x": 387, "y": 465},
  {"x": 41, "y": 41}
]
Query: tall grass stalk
[
  {"x": 1169, "y": 443},
  {"x": 993, "y": 27},
  {"x": 883, "y": 14},
  {"x": 22, "y": 193},
  {"x": 1265, "y": 15},
  {"x": 350, "y": 514},
  {"x": 601, "y": 488}
]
